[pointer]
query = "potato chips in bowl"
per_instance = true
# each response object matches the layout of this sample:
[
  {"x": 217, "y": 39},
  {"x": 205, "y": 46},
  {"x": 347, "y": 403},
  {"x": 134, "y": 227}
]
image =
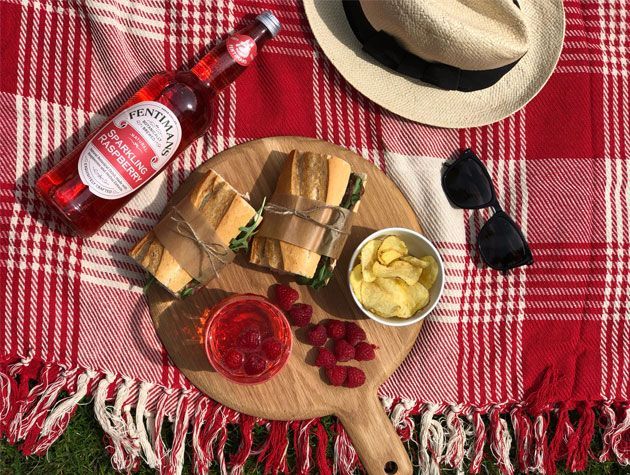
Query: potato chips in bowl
[{"x": 396, "y": 276}]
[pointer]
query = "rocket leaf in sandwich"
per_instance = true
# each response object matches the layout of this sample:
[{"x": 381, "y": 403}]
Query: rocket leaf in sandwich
[
  {"x": 324, "y": 270},
  {"x": 241, "y": 242}
]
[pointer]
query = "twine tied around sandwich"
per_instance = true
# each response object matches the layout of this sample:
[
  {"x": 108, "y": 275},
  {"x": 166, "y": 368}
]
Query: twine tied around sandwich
[
  {"x": 186, "y": 234},
  {"x": 338, "y": 216},
  {"x": 310, "y": 224},
  {"x": 213, "y": 250}
]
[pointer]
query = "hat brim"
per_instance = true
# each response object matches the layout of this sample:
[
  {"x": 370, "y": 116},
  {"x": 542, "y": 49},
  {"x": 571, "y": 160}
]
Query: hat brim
[{"x": 427, "y": 104}]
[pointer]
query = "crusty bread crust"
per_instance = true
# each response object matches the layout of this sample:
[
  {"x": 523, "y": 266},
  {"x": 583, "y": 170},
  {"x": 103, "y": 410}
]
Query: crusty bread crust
[
  {"x": 226, "y": 210},
  {"x": 318, "y": 177}
]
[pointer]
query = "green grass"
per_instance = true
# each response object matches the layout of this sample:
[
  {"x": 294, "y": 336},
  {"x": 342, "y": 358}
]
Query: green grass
[{"x": 80, "y": 450}]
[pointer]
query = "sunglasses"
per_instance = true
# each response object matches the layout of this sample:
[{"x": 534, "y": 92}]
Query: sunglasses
[{"x": 468, "y": 185}]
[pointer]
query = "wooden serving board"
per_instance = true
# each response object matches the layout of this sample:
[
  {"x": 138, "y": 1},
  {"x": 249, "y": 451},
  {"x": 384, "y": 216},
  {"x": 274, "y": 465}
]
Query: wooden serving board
[{"x": 298, "y": 391}]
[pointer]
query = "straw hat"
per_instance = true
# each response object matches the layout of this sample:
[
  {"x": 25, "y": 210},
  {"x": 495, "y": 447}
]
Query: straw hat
[{"x": 448, "y": 63}]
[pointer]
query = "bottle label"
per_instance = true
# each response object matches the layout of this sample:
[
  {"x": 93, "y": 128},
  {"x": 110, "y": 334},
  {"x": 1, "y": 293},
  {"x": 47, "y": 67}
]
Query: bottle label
[
  {"x": 241, "y": 48},
  {"x": 129, "y": 150}
]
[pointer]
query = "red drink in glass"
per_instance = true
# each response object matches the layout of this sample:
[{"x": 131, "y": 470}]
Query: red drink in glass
[
  {"x": 247, "y": 338},
  {"x": 146, "y": 133}
]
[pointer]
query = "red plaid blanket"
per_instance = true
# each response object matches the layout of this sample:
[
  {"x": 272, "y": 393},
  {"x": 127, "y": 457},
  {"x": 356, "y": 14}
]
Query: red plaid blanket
[{"x": 534, "y": 364}]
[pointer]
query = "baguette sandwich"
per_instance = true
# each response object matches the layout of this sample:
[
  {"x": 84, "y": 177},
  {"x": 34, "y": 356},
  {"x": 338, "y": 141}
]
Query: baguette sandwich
[
  {"x": 227, "y": 212},
  {"x": 318, "y": 177}
]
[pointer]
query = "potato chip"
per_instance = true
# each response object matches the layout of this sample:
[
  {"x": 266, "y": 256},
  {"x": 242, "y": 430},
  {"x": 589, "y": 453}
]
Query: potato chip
[
  {"x": 379, "y": 300},
  {"x": 368, "y": 257},
  {"x": 391, "y": 249},
  {"x": 420, "y": 297},
  {"x": 356, "y": 278},
  {"x": 402, "y": 270},
  {"x": 414, "y": 261},
  {"x": 429, "y": 274},
  {"x": 400, "y": 292}
]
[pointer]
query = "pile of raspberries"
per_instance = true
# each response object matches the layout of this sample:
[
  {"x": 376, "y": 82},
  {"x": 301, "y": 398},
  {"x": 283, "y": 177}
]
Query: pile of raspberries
[{"x": 348, "y": 340}]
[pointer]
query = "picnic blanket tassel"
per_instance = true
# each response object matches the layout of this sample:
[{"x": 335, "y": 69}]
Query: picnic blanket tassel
[
  {"x": 201, "y": 455},
  {"x": 321, "y": 449},
  {"x": 541, "y": 448},
  {"x": 274, "y": 451},
  {"x": 523, "y": 434},
  {"x": 345, "y": 458},
  {"x": 431, "y": 441},
  {"x": 580, "y": 440},
  {"x": 401, "y": 417},
  {"x": 59, "y": 417},
  {"x": 500, "y": 441},
  {"x": 16, "y": 392},
  {"x": 456, "y": 444},
  {"x": 227, "y": 415},
  {"x": 237, "y": 461},
  {"x": 28, "y": 371},
  {"x": 8, "y": 390},
  {"x": 564, "y": 429},
  {"x": 143, "y": 437},
  {"x": 111, "y": 420},
  {"x": 122, "y": 421},
  {"x": 211, "y": 434},
  {"x": 607, "y": 420},
  {"x": 50, "y": 381},
  {"x": 160, "y": 414},
  {"x": 480, "y": 439},
  {"x": 32, "y": 422},
  {"x": 620, "y": 436},
  {"x": 180, "y": 429},
  {"x": 302, "y": 446}
]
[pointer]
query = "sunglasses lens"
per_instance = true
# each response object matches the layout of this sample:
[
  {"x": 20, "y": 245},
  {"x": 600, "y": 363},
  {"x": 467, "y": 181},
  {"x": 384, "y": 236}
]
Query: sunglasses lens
[
  {"x": 466, "y": 184},
  {"x": 502, "y": 245}
]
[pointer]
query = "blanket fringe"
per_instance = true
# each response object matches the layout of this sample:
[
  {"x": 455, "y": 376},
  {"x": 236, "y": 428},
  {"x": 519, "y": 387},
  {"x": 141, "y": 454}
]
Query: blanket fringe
[{"x": 37, "y": 401}]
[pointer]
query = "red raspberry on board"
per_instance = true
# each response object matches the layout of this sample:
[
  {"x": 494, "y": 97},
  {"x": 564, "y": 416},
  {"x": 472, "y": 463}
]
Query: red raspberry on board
[
  {"x": 364, "y": 351},
  {"x": 325, "y": 358},
  {"x": 317, "y": 336},
  {"x": 301, "y": 314},
  {"x": 249, "y": 339},
  {"x": 343, "y": 350},
  {"x": 254, "y": 364},
  {"x": 355, "y": 377},
  {"x": 354, "y": 333},
  {"x": 233, "y": 359},
  {"x": 285, "y": 296},
  {"x": 336, "y": 375},
  {"x": 336, "y": 329},
  {"x": 272, "y": 348}
]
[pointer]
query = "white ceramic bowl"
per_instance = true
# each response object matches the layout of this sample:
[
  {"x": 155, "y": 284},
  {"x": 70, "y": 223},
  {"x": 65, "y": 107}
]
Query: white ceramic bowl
[{"x": 418, "y": 246}]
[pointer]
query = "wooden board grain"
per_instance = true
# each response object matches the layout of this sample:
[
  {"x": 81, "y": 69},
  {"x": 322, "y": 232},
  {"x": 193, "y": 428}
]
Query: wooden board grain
[{"x": 298, "y": 391}]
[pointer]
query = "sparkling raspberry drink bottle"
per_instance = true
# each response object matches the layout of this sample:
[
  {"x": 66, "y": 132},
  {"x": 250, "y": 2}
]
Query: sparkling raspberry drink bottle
[{"x": 155, "y": 125}]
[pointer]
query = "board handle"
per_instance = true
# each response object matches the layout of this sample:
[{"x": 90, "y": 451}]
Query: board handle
[{"x": 374, "y": 438}]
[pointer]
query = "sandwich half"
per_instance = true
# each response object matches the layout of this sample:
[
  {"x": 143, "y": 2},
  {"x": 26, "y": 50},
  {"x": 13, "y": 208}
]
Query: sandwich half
[
  {"x": 227, "y": 212},
  {"x": 319, "y": 177}
]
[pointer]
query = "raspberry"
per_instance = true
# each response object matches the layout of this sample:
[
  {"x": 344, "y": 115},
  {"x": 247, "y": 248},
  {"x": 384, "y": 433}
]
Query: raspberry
[
  {"x": 355, "y": 377},
  {"x": 325, "y": 358},
  {"x": 254, "y": 364},
  {"x": 272, "y": 348},
  {"x": 364, "y": 351},
  {"x": 285, "y": 296},
  {"x": 354, "y": 333},
  {"x": 301, "y": 314},
  {"x": 317, "y": 335},
  {"x": 249, "y": 339},
  {"x": 336, "y": 329},
  {"x": 343, "y": 350},
  {"x": 233, "y": 359},
  {"x": 336, "y": 375}
]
